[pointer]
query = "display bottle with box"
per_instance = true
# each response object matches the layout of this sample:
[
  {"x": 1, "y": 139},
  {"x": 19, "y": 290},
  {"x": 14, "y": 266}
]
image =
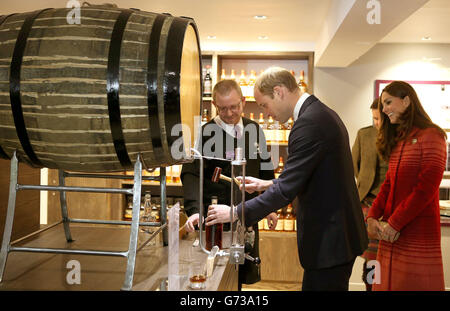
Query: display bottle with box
[
  {"x": 214, "y": 232},
  {"x": 176, "y": 172},
  {"x": 271, "y": 130}
]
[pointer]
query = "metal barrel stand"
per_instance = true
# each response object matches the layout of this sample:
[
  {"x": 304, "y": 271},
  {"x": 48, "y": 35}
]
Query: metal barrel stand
[{"x": 130, "y": 254}]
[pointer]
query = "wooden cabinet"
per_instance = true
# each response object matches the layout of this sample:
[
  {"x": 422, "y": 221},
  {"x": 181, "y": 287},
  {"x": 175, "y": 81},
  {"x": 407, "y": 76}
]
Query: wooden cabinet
[{"x": 279, "y": 257}]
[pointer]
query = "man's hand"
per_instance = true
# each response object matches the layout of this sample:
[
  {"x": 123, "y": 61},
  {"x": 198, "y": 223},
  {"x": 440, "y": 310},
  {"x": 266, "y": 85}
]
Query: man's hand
[
  {"x": 272, "y": 220},
  {"x": 191, "y": 222},
  {"x": 253, "y": 184},
  {"x": 218, "y": 214}
]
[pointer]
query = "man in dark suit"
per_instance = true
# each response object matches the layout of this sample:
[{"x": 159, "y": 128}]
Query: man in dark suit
[
  {"x": 220, "y": 137},
  {"x": 319, "y": 171}
]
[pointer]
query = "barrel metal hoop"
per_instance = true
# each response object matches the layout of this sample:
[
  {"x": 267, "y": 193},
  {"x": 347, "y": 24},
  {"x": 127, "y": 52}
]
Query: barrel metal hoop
[
  {"x": 112, "y": 88},
  {"x": 171, "y": 81},
  {"x": 14, "y": 87},
  {"x": 152, "y": 86}
]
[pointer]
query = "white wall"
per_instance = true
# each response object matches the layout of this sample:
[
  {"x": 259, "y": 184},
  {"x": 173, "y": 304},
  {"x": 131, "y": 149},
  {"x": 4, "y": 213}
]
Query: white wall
[{"x": 349, "y": 91}]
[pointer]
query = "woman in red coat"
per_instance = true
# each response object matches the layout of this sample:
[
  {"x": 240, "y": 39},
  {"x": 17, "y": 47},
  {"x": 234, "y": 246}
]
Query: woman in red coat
[{"x": 409, "y": 252}]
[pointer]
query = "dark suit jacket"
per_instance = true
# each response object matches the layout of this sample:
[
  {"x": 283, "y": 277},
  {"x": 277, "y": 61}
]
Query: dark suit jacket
[
  {"x": 319, "y": 171},
  {"x": 258, "y": 164}
]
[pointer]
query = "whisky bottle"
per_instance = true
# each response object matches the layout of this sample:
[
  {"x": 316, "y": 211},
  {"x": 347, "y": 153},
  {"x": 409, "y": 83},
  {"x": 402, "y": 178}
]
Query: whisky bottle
[
  {"x": 279, "y": 132},
  {"x": 205, "y": 117},
  {"x": 289, "y": 219},
  {"x": 223, "y": 76},
  {"x": 207, "y": 83},
  {"x": 233, "y": 75},
  {"x": 243, "y": 83},
  {"x": 280, "y": 223},
  {"x": 214, "y": 232},
  {"x": 287, "y": 131},
  {"x": 301, "y": 83},
  {"x": 271, "y": 131},
  {"x": 168, "y": 174},
  {"x": 252, "y": 116},
  {"x": 251, "y": 84},
  {"x": 280, "y": 168},
  {"x": 176, "y": 171},
  {"x": 128, "y": 214}
]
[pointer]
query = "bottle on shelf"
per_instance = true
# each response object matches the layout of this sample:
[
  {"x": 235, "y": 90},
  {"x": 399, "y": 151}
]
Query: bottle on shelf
[
  {"x": 205, "y": 117},
  {"x": 176, "y": 171},
  {"x": 301, "y": 83},
  {"x": 280, "y": 168},
  {"x": 252, "y": 116},
  {"x": 287, "y": 131},
  {"x": 155, "y": 212},
  {"x": 293, "y": 73},
  {"x": 147, "y": 207},
  {"x": 243, "y": 83},
  {"x": 128, "y": 214},
  {"x": 214, "y": 232},
  {"x": 271, "y": 130},
  {"x": 207, "y": 83},
  {"x": 223, "y": 76},
  {"x": 280, "y": 132},
  {"x": 261, "y": 121},
  {"x": 168, "y": 174},
  {"x": 289, "y": 219},
  {"x": 251, "y": 84},
  {"x": 233, "y": 75},
  {"x": 280, "y": 223}
]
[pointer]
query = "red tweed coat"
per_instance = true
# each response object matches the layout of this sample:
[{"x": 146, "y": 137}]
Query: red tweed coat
[{"x": 409, "y": 201}]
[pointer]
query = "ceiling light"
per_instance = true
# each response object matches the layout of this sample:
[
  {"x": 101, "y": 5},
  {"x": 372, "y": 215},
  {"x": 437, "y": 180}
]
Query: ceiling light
[
  {"x": 263, "y": 37},
  {"x": 426, "y": 38},
  {"x": 212, "y": 37},
  {"x": 259, "y": 17}
]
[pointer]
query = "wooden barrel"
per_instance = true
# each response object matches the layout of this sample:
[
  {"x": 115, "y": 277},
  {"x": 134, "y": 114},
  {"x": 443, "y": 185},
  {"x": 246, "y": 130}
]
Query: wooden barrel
[{"x": 93, "y": 96}]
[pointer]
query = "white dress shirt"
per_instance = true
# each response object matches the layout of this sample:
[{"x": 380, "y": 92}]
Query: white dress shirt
[
  {"x": 235, "y": 130},
  {"x": 299, "y": 104}
]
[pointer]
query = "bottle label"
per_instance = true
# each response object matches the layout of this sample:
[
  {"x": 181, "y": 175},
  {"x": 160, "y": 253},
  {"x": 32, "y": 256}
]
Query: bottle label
[
  {"x": 289, "y": 225},
  {"x": 280, "y": 225}
]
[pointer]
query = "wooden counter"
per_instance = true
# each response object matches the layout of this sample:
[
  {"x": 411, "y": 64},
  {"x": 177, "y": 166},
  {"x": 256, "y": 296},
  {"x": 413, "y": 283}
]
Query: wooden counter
[{"x": 41, "y": 271}]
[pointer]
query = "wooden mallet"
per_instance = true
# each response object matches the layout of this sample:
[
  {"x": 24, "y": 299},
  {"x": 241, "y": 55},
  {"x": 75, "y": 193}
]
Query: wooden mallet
[{"x": 217, "y": 175}]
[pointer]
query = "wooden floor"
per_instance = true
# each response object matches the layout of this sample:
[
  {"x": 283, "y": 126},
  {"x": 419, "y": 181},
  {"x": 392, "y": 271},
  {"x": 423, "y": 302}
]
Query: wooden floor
[{"x": 273, "y": 286}]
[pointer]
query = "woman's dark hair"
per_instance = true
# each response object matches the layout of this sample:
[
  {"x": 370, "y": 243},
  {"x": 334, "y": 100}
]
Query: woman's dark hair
[{"x": 414, "y": 116}]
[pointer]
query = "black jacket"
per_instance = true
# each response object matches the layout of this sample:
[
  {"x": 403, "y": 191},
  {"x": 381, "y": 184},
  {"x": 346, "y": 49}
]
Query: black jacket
[{"x": 319, "y": 171}]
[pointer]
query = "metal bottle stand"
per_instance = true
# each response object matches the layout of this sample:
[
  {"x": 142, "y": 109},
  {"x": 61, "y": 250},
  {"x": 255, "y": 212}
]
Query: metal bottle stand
[
  {"x": 236, "y": 252},
  {"x": 130, "y": 254}
]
